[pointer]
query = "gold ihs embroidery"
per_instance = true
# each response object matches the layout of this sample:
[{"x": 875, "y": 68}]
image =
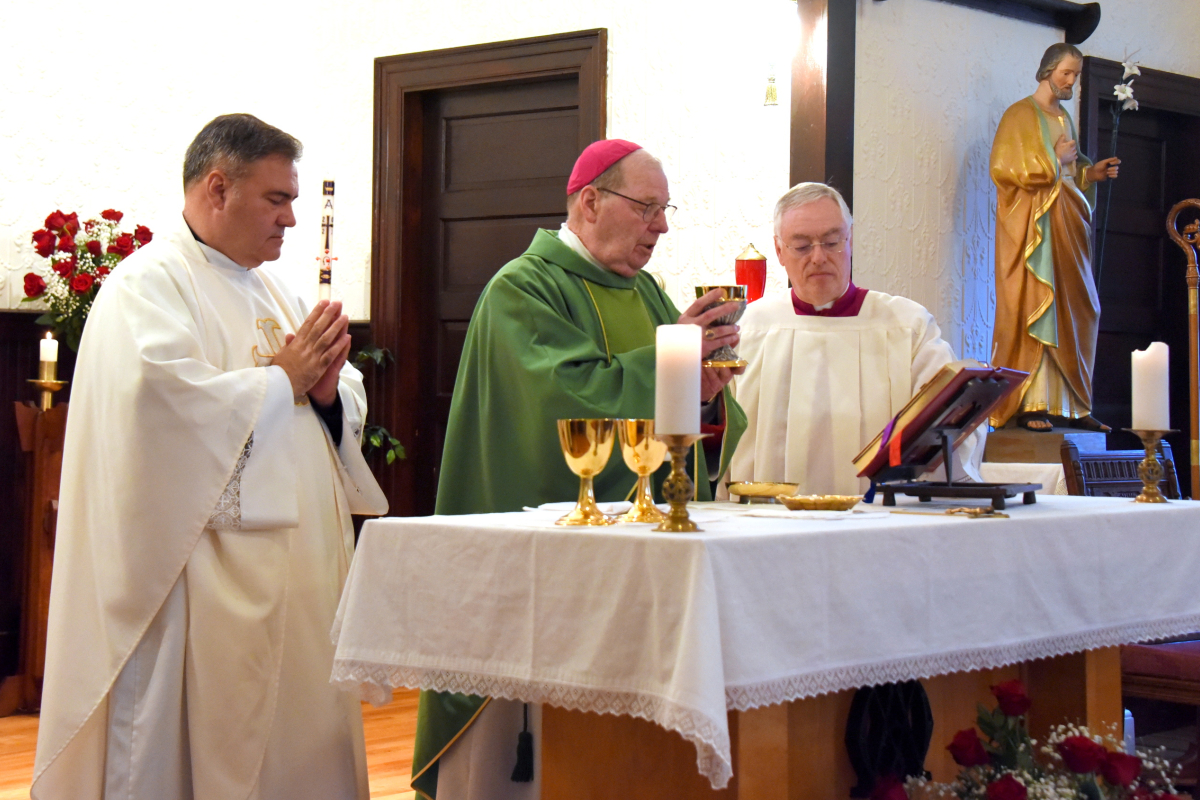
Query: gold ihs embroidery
[{"x": 272, "y": 334}]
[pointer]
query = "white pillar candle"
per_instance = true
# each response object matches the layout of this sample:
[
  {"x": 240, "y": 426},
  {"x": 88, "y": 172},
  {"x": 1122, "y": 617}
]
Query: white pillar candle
[
  {"x": 677, "y": 379},
  {"x": 49, "y": 349},
  {"x": 1151, "y": 390}
]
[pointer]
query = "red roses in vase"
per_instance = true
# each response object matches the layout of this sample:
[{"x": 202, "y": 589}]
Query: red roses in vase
[
  {"x": 1001, "y": 762},
  {"x": 80, "y": 257}
]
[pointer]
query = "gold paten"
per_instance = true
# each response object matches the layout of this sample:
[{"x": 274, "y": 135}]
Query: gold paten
[
  {"x": 733, "y": 298},
  {"x": 587, "y": 445},
  {"x": 761, "y": 490},
  {"x": 1151, "y": 469},
  {"x": 820, "y": 502},
  {"x": 643, "y": 454},
  {"x": 678, "y": 487}
]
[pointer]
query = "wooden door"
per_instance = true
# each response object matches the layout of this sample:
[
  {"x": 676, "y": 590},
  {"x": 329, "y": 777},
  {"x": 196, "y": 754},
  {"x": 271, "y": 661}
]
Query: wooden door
[
  {"x": 473, "y": 148},
  {"x": 497, "y": 162},
  {"x": 1143, "y": 294}
]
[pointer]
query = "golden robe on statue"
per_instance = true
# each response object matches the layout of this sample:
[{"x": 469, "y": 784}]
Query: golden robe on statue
[{"x": 1047, "y": 312}]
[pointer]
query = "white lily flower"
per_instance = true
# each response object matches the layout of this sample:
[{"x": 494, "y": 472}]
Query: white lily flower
[
  {"x": 1129, "y": 105},
  {"x": 1123, "y": 91},
  {"x": 1131, "y": 68}
]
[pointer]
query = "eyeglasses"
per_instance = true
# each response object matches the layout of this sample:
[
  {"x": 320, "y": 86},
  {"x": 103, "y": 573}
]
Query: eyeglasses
[
  {"x": 650, "y": 210},
  {"x": 829, "y": 246}
]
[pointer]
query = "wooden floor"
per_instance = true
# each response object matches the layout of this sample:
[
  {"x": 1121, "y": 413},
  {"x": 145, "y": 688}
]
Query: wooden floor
[{"x": 389, "y": 735}]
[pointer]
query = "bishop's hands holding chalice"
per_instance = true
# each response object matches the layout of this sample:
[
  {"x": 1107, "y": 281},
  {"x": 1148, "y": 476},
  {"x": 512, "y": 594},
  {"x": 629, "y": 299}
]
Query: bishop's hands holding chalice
[{"x": 711, "y": 312}]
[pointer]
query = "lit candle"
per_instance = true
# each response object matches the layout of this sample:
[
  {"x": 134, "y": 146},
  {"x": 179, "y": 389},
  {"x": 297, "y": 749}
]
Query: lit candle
[
  {"x": 677, "y": 379},
  {"x": 1151, "y": 406},
  {"x": 49, "y": 348}
]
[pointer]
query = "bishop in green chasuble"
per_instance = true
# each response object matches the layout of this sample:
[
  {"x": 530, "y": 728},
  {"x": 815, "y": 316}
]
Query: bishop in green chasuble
[{"x": 562, "y": 331}]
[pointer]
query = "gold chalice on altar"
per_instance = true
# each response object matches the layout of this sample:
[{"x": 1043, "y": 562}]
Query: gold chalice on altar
[
  {"x": 733, "y": 300},
  {"x": 587, "y": 445},
  {"x": 643, "y": 454}
]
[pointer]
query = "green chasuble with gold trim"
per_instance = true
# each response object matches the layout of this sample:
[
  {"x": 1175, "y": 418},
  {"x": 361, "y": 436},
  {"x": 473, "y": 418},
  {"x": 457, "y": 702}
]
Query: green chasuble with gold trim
[{"x": 553, "y": 337}]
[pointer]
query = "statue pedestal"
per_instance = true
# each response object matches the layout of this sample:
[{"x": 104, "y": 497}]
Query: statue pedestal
[{"x": 1038, "y": 447}]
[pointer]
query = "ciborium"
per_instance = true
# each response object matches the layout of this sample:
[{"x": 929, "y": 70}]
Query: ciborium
[
  {"x": 643, "y": 454},
  {"x": 733, "y": 300},
  {"x": 587, "y": 445}
]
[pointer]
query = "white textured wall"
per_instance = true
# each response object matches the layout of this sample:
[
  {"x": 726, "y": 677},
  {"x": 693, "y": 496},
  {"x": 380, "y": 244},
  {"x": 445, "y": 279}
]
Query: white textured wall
[
  {"x": 932, "y": 80},
  {"x": 99, "y": 102}
]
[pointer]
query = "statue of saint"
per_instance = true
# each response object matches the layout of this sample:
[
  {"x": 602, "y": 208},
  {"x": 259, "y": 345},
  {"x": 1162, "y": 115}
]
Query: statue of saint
[{"x": 1047, "y": 311}]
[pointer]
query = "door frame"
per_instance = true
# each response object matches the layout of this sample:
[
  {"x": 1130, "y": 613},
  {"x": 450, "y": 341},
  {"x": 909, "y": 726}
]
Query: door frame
[{"x": 399, "y": 286}]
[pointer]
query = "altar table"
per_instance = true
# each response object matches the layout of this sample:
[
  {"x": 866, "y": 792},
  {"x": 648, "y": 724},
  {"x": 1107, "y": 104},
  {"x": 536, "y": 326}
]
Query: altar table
[{"x": 763, "y": 607}]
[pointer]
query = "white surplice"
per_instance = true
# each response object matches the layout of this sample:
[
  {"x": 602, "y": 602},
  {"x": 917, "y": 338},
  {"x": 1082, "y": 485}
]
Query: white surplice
[
  {"x": 204, "y": 533},
  {"x": 818, "y": 389}
]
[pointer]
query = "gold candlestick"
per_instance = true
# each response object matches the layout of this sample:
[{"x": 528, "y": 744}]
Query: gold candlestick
[
  {"x": 1150, "y": 470},
  {"x": 47, "y": 381},
  {"x": 678, "y": 486}
]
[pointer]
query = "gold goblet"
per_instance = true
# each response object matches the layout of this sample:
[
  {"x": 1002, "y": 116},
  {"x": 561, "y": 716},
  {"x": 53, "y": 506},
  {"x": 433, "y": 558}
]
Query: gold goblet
[
  {"x": 733, "y": 300},
  {"x": 643, "y": 454},
  {"x": 587, "y": 445}
]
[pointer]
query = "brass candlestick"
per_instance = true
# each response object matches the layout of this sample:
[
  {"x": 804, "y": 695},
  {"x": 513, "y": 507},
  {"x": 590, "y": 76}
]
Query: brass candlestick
[
  {"x": 1150, "y": 470},
  {"x": 678, "y": 487},
  {"x": 47, "y": 381},
  {"x": 643, "y": 453}
]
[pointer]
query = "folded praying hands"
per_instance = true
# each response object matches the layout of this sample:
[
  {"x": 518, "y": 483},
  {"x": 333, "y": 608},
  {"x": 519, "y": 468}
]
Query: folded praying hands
[{"x": 313, "y": 356}]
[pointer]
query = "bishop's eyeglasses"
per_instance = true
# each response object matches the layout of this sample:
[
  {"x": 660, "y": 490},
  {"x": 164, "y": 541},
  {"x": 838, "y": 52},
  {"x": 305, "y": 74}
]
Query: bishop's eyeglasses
[
  {"x": 649, "y": 210},
  {"x": 828, "y": 246}
]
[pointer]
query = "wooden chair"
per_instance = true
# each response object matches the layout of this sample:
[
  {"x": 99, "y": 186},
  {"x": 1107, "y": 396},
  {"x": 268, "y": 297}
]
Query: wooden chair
[{"x": 1114, "y": 473}]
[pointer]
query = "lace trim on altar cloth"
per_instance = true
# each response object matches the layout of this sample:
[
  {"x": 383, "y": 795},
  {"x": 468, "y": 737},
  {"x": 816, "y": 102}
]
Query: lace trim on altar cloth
[
  {"x": 374, "y": 684},
  {"x": 227, "y": 516},
  {"x": 812, "y": 684}
]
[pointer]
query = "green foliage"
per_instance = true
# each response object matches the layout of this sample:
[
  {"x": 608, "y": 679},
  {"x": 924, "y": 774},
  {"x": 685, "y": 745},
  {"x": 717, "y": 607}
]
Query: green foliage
[
  {"x": 380, "y": 356},
  {"x": 377, "y": 437}
]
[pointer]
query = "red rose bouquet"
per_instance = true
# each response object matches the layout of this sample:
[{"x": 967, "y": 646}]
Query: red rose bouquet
[
  {"x": 1001, "y": 762},
  {"x": 79, "y": 257}
]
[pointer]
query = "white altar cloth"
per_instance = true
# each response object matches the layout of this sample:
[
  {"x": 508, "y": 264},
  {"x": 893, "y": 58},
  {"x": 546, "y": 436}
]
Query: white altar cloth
[{"x": 678, "y": 628}]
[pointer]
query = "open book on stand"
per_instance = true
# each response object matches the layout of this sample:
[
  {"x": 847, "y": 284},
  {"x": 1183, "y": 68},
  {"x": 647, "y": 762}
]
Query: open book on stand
[{"x": 935, "y": 421}]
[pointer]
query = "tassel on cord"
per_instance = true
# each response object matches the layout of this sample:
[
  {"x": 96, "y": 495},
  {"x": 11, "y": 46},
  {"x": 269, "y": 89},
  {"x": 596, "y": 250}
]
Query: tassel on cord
[{"x": 523, "y": 771}]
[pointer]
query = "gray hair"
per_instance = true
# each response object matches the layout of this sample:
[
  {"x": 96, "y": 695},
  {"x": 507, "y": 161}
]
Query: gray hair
[
  {"x": 233, "y": 142},
  {"x": 1054, "y": 54},
  {"x": 804, "y": 193}
]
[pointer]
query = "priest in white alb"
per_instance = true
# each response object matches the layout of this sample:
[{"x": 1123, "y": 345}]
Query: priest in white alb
[
  {"x": 829, "y": 362},
  {"x": 210, "y": 468}
]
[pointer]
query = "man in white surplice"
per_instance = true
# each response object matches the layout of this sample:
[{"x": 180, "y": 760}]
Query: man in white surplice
[
  {"x": 210, "y": 468},
  {"x": 830, "y": 363}
]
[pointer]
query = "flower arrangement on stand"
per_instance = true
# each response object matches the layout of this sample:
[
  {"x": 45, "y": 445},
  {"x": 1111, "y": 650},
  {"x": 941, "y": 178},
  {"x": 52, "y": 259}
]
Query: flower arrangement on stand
[
  {"x": 79, "y": 259},
  {"x": 1001, "y": 761}
]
